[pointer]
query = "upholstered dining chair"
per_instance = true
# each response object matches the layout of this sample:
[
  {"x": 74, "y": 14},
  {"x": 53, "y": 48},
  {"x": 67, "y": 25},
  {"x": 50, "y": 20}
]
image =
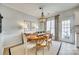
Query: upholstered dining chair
[
  {"x": 50, "y": 41},
  {"x": 42, "y": 43},
  {"x": 27, "y": 44}
]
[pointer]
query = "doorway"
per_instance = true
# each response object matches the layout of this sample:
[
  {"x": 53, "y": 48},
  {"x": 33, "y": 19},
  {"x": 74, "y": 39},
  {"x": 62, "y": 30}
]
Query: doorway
[{"x": 68, "y": 34}]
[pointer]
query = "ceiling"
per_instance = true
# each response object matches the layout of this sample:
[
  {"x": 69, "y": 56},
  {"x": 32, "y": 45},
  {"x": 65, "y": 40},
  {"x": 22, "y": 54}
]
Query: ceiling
[{"x": 49, "y": 8}]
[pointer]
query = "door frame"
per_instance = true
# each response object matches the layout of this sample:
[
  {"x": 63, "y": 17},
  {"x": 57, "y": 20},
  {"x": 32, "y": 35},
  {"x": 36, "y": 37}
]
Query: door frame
[{"x": 71, "y": 27}]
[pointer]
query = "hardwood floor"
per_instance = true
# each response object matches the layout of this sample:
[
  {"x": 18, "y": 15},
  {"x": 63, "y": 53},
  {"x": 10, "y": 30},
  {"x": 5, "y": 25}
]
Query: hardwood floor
[
  {"x": 57, "y": 48},
  {"x": 68, "y": 49},
  {"x": 20, "y": 50}
]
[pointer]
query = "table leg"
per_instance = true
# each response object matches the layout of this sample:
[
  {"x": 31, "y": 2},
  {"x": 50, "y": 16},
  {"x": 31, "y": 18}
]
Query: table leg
[{"x": 36, "y": 48}]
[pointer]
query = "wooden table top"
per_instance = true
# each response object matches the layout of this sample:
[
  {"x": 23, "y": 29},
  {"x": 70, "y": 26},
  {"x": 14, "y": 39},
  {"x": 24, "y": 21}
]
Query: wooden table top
[{"x": 35, "y": 37}]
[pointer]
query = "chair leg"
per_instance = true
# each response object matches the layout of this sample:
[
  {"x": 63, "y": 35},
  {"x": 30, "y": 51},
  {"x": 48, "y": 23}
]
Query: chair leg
[
  {"x": 43, "y": 50},
  {"x": 51, "y": 42},
  {"x": 36, "y": 52},
  {"x": 48, "y": 46},
  {"x": 25, "y": 49}
]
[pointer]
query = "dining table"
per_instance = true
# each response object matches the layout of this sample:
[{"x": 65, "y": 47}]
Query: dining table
[{"x": 38, "y": 38}]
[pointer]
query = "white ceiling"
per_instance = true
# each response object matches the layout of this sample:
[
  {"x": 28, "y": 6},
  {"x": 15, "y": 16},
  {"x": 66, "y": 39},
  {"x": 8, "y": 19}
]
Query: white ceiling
[{"x": 49, "y": 8}]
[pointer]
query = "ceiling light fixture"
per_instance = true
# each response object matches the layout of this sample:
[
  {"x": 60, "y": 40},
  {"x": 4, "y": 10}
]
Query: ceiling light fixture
[{"x": 42, "y": 18}]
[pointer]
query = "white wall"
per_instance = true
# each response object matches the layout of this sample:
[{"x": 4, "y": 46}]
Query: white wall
[
  {"x": 77, "y": 27},
  {"x": 77, "y": 17},
  {"x": 11, "y": 24},
  {"x": 1, "y": 43}
]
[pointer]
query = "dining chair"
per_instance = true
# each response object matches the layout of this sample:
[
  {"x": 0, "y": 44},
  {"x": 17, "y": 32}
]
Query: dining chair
[
  {"x": 50, "y": 41},
  {"x": 24, "y": 40},
  {"x": 42, "y": 43},
  {"x": 27, "y": 44}
]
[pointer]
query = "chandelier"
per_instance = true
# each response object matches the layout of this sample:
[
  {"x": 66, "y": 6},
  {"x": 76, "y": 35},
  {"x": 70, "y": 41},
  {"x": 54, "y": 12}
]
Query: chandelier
[{"x": 42, "y": 18}]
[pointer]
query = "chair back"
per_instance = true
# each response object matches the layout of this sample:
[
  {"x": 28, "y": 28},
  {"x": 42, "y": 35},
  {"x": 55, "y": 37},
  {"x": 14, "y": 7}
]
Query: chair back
[{"x": 24, "y": 39}]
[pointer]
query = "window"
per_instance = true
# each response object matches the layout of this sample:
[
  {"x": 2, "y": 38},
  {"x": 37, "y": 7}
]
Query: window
[
  {"x": 31, "y": 26},
  {"x": 34, "y": 26},
  {"x": 53, "y": 27},
  {"x": 50, "y": 27},
  {"x": 66, "y": 29},
  {"x": 68, "y": 33}
]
